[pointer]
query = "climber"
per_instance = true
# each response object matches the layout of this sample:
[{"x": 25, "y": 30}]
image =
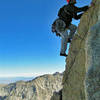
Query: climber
[
  {"x": 63, "y": 23},
  {"x": 59, "y": 27}
]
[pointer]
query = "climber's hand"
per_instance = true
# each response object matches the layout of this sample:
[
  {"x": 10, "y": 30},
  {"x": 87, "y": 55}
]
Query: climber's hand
[
  {"x": 86, "y": 8},
  {"x": 57, "y": 34},
  {"x": 92, "y": 4}
]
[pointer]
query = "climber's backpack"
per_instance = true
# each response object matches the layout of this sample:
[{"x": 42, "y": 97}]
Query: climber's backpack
[{"x": 65, "y": 13}]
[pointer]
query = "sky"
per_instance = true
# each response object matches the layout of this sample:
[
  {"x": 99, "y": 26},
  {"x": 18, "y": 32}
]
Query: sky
[{"x": 27, "y": 45}]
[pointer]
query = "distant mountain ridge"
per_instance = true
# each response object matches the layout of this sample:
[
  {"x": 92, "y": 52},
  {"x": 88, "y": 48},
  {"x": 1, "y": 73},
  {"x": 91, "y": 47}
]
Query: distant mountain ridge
[
  {"x": 40, "y": 88},
  {"x": 7, "y": 80}
]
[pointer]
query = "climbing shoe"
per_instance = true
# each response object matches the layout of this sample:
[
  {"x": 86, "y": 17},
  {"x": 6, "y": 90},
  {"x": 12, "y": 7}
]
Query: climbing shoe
[
  {"x": 61, "y": 54},
  {"x": 69, "y": 40}
]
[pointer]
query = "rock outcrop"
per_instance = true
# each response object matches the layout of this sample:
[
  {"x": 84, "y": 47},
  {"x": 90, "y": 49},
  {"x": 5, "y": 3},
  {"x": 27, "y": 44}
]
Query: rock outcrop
[
  {"x": 41, "y": 88},
  {"x": 81, "y": 80},
  {"x": 57, "y": 95}
]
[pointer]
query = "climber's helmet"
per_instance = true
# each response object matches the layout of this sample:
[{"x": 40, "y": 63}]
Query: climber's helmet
[{"x": 71, "y": 1}]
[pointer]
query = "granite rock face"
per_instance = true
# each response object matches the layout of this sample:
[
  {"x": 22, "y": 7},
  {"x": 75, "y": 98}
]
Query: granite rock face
[
  {"x": 81, "y": 78},
  {"x": 41, "y": 88},
  {"x": 92, "y": 81}
]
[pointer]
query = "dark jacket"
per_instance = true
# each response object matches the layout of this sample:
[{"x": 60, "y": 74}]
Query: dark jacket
[{"x": 67, "y": 12}]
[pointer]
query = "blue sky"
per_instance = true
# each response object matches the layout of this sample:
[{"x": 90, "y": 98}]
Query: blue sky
[{"x": 27, "y": 45}]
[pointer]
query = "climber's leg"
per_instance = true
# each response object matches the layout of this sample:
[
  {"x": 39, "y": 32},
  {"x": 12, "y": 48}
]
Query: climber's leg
[
  {"x": 63, "y": 46},
  {"x": 72, "y": 29}
]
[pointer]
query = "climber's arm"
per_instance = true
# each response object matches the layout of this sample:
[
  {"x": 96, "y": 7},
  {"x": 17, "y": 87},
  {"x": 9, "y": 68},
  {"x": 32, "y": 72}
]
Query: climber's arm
[
  {"x": 85, "y": 8},
  {"x": 77, "y": 16}
]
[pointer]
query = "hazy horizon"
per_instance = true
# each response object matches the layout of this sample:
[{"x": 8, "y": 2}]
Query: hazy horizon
[
  {"x": 7, "y": 80},
  {"x": 12, "y": 78}
]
